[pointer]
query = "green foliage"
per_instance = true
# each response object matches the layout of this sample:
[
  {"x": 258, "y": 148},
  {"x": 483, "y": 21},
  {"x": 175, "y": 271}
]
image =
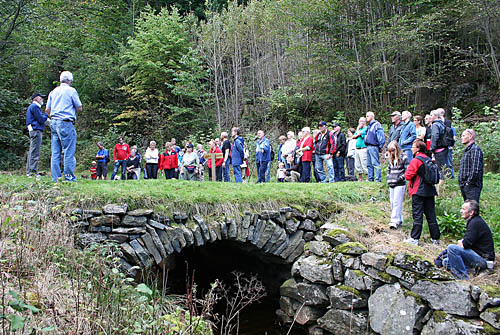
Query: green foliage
[
  {"x": 451, "y": 224},
  {"x": 164, "y": 76},
  {"x": 12, "y": 139}
]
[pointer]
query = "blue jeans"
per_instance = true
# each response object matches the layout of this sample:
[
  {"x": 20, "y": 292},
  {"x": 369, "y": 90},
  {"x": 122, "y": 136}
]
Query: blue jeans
[
  {"x": 321, "y": 170},
  {"x": 63, "y": 138},
  {"x": 268, "y": 172},
  {"x": 124, "y": 170},
  {"x": 338, "y": 164},
  {"x": 373, "y": 163},
  {"x": 237, "y": 174},
  {"x": 225, "y": 171},
  {"x": 261, "y": 171},
  {"x": 450, "y": 163},
  {"x": 409, "y": 154},
  {"x": 460, "y": 261}
]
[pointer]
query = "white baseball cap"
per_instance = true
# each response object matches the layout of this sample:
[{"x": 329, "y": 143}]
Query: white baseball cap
[{"x": 66, "y": 75}]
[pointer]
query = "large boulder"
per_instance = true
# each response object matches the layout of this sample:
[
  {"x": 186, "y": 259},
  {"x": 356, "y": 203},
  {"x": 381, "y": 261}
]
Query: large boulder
[
  {"x": 342, "y": 322},
  {"x": 453, "y": 297},
  {"x": 395, "y": 311},
  {"x": 312, "y": 294},
  {"x": 492, "y": 316},
  {"x": 360, "y": 281},
  {"x": 316, "y": 270},
  {"x": 441, "y": 323},
  {"x": 345, "y": 297},
  {"x": 490, "y": 297},
  {"x": 115, "y": 209},
  {"x": 306, "y": 315}
]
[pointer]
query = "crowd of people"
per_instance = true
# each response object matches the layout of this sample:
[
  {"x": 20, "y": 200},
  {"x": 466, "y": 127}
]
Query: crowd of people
[{"x": 418, "y": 152}]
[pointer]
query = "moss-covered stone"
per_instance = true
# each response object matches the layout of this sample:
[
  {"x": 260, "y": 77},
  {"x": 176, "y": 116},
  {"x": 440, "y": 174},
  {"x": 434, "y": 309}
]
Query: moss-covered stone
[
  {"x": 349, "y": 289},
  {"x": 439, "y": 316},
  {"x": 338, "y": 232},
  {"x": 489, "y": 330},
  {"x": 409, "y": 293},
  {"x": 351, "y": 248}
]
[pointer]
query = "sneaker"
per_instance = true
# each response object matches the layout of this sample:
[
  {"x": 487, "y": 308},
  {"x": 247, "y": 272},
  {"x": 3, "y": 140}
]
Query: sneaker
[
  {"x": 29, "y": 175},
  {"x": 411, "y": 241},
  {"x": 38, "y": 177},
  {"x": 435, "y": 242},
  {"x": 393, "y": 225}
]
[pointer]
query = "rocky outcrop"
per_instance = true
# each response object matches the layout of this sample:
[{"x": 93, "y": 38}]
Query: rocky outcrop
[{"x": 363, "y": 292}]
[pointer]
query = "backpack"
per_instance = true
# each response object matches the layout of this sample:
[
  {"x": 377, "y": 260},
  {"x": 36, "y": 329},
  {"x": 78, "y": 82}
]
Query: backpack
[
  {"x": 431, "y": 171},
  {"x": 446, "y": 138}
]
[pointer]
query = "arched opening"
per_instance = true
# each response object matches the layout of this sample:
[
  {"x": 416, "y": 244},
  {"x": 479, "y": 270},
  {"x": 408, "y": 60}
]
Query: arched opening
[{"x": 217, "y": 261}]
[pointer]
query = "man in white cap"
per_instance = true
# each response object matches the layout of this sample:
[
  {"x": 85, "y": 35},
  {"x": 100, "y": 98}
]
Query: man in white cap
[{"x": 62, "y": 105}]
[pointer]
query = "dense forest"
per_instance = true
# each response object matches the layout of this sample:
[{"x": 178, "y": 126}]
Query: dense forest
[{"x": 156, "y": 69}]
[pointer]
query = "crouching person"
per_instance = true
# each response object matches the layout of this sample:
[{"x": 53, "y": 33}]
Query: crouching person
[{"x": 475, "y": 251}]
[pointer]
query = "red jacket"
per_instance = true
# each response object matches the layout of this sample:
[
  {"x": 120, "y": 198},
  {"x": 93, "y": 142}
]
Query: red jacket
[
  {"x": 307, "y": 154},
  {"x": 168, "y": 160},
  {"x": 121, "y": 152},
  {"x": 218, "y": 162},
  {"x": 413, "y": 175}
]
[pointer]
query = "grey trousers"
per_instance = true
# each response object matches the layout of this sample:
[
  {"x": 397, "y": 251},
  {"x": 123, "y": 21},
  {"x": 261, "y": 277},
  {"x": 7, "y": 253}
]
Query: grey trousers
[{"x": 34, "y": 153}]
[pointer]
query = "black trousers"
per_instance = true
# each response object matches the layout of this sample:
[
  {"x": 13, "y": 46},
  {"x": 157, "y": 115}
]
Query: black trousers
[
  {"x": 305, "y": 176},
  {"x": 152, "y": 170},
  {"x": 218, "y": 173},
  {"x": 471, "y": 192},
  {"x": 169, "y": 173},
  {"x": 442, "y": 163},
  {"x": 420, "y": 206}
]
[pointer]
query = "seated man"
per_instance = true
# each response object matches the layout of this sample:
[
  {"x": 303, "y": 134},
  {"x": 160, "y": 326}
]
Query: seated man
[{"x": 475, "y": 250}]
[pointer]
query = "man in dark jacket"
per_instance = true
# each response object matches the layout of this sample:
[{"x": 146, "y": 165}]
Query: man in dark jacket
[
  {"x": 437, "y": 148},
  {"x": 35, "y": 123},
  {"x": 339, "y": 154},
  {"x": 324, "y": 148},
  {"x": 396, "y": 128},
  {"x": 476, "y": 249},
  {"x": 470, "y": 176}
]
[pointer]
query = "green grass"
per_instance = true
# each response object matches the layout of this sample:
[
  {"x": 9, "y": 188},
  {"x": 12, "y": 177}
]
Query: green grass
[{"x": 171, "y": 193}]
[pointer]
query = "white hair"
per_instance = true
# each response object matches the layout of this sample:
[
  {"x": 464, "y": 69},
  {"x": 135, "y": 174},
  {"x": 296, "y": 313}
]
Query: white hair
[
  {"x": 306, "y": 130},
  {"x": 65, "y": 76}
]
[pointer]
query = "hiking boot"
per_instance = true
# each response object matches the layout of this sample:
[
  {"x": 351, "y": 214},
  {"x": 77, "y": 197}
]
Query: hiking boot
[
  {"x": 435, "y": 242},
  {"x": 411, "y": 241}
]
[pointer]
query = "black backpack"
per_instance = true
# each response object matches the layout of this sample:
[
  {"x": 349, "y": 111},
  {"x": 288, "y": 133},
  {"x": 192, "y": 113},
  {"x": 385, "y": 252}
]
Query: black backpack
[
  {"x": 446, "y": 137},
  {"x": 431, "y": 171}
]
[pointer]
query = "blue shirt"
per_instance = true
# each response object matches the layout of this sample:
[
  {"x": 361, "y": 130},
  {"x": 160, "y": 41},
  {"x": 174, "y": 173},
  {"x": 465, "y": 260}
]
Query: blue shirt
[
  {"x": 408, "y": 135},
  {"x": 103, "y": 152},
  {"x": 375, "y": 134},
  {"x": 35, "y": 117},
  {"x": 63, "y": 101}
]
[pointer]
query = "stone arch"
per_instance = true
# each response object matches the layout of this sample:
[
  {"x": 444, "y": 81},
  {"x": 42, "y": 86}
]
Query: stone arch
[{"x": 148, "y": 239}]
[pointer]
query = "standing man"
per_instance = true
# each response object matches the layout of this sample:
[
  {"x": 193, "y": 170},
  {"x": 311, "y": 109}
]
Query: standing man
[
  {"x": 121, "y": 153},
  {"x": 439, "y": 149},
  {"x": 470, "y": 176},
  {"x": 360, "y": 153},
  {"x": 262, "y": 156},
  {"x": 396, "y": 128},
  {"x": 35, "y": 123},
  {"x": 305, "y": 150},
  {"x": 325, "y": 147},
  {"x": 102, "y": 157},
  {"x": 226, "y": 151},
  {"x": 201, "y": 155},
  {"x": 408, "y": 134},
  {"x": 237, "y": 154},
  {"x": 62, "y": 105},
  {"x": 340, "y": 153},
  {"x": 476, "y": 249},
  {"x": 374, "y": 140}
]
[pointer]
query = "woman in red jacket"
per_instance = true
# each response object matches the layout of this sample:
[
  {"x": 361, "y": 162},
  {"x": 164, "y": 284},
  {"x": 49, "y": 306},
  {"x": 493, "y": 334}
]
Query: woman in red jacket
[
  {"x": 218, "y": 162},
  {"x": 168, "y": 161},
  {"x": 422, "y": 196}
]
